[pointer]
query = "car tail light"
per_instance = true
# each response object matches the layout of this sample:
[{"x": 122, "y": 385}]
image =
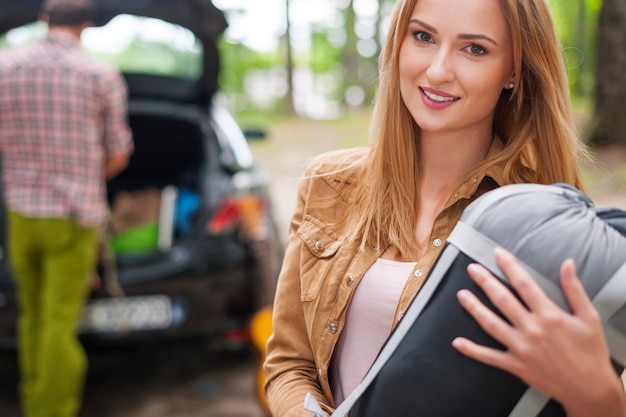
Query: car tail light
[
  {"x": 233, "y": 336},
  {"x": 246, "y": 211},
  {"x": 226, "y": 218}
]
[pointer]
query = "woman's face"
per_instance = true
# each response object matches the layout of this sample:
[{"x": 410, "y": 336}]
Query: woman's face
[{"x": 455, "y": 60}]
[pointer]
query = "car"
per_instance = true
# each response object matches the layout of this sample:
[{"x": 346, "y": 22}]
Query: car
[{"x": 192, "y": 249}]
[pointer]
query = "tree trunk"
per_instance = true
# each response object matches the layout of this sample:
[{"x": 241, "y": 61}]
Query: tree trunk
[
  {"x": 350, "y": 56},
  {"x": 610, "y": 94},
  {"x": 289, "y": 102},
  {"x": 581, "y": 25}
]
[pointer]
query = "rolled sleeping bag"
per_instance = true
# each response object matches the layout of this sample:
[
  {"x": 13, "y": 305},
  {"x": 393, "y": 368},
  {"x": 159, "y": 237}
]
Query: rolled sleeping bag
[{"x": 419, "y": 373}]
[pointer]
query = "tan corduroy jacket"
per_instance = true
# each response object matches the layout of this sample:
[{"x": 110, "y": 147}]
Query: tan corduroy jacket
[{"x": 321, "y": 271}]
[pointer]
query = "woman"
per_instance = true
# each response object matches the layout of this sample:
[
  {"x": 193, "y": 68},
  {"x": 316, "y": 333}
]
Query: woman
[{"x": 472, "y": 96}]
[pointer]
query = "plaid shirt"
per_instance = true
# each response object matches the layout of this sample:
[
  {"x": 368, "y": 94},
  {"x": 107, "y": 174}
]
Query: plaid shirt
[{"x": 62, "y": 113}]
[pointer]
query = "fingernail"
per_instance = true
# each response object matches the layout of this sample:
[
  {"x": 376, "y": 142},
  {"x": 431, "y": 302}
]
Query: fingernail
[
  {"x": 462, "y": 295},
  {"x": 500, "y": 253}
]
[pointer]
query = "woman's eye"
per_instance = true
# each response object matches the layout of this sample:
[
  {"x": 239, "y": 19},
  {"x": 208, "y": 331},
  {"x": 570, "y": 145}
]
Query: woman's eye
[
  {"x": 422, "y": 36},
  {"x": 476, "y": 50}
]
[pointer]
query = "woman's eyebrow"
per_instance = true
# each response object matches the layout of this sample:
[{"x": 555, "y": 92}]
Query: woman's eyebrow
[
  {"x": 469, "y": 37},
  {"x": 465, "y": 36},
  {"x": 424, "y": 25}
]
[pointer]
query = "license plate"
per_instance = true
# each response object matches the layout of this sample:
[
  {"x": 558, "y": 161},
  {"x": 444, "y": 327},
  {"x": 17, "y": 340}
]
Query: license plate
[{"x": 126, "y": 314}]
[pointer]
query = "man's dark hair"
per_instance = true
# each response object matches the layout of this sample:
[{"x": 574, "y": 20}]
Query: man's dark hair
[{"x": 68, "y": 12}]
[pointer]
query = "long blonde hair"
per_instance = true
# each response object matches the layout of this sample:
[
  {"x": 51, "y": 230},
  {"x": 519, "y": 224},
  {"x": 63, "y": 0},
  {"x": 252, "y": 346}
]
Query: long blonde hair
[{"x": 534, "y": 121}]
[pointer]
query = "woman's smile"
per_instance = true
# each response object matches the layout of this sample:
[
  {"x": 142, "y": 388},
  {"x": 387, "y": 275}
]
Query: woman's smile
[{"x": 437, "y": 100}]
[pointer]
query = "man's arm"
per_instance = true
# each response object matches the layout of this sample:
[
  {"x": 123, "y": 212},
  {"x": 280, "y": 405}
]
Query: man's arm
[
  {"x": 114, "y": 165},
  {"x": 117, "y": 135}
]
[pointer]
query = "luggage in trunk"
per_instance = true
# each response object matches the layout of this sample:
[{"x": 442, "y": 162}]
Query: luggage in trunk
[{"x": 154, "y": 200}]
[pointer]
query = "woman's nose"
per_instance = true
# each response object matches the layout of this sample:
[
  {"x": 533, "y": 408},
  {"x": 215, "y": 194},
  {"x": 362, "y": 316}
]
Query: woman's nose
[{"x": 441, "y": 68}]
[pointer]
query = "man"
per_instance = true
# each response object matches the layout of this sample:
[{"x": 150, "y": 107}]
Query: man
[{"x": 63, "y": 132}]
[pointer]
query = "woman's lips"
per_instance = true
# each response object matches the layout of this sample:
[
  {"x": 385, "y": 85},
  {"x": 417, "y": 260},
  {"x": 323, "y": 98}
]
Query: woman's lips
[{"x": 437, "y": 100}]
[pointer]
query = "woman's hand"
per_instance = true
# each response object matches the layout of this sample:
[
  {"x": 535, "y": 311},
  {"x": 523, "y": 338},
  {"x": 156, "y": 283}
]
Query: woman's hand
[{"x": 563, "y": 355}]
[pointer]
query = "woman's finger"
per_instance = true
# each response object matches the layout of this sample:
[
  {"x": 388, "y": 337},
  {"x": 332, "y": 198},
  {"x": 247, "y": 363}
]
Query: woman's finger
[
  {"x": 522, "y": 282},
  {"x": 489, "y": 321},
  {"x": 573, "y": 289},
  {"x": 501, "y": 297},
  {"x": 489, "y": 356},
  {"x": 575, "y": 293}
]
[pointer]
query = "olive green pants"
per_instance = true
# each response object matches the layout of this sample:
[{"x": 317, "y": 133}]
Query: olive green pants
[{"x": 51, "y": 260}]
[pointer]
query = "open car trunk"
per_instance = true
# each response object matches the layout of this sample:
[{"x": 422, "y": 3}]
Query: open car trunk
[{"x": 154, "y": 201}]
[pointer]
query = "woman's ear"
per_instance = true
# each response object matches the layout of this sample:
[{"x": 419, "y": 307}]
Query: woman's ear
[{"x": 511, "y": 83}]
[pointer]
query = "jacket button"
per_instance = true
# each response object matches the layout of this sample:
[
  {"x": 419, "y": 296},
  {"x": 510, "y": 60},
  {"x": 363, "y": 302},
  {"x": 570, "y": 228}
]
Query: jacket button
[
  {"x": 349, "y": 280},
  {"x": 333, "y": 328},
  {"x": 437, "y": 243},
  {"x": 418, "y": 273},
  {"x": 319, "y": 245}
]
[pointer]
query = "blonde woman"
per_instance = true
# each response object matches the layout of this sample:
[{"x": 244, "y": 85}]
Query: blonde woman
[{"x": 472, "y": 96}]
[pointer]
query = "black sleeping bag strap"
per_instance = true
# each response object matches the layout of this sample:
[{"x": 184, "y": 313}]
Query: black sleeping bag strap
[{"x": 608, "y": 301}]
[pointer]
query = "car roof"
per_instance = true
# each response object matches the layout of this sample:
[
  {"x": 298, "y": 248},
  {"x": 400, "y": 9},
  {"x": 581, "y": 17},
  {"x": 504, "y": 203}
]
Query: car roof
[{"x": 205, "y": 20}]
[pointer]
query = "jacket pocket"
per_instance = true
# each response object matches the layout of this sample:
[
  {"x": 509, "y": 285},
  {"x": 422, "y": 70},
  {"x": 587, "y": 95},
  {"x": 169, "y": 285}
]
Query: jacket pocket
[{"x": 320, "y": 245}]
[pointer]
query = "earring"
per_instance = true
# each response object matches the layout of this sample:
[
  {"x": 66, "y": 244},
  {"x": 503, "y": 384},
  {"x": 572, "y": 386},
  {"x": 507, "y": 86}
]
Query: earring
[{"x": 510, "y": 86}]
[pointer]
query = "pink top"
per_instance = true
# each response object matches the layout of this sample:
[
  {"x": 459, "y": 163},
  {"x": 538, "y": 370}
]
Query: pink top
[{"x": 368, "y": 323}]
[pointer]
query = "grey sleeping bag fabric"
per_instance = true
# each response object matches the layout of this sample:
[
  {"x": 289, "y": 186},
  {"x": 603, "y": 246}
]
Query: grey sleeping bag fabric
[{"x": 419, "y": 373}]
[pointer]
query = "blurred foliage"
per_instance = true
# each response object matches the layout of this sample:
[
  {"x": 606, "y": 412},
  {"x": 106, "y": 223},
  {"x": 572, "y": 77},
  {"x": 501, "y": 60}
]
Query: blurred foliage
[
  {"x": 576, "y": 24},
  {"x": 155, "y": 58},
  {"x": 334, "y": 61},
  {"x": 325, "y": 56},
  {"x": 237, "y": 60}
]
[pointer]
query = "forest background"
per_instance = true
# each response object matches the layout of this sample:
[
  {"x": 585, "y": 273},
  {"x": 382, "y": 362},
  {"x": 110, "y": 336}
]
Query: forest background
[
  {"x": 329, "y": 69},
  {"x": 321, "y": 63}
]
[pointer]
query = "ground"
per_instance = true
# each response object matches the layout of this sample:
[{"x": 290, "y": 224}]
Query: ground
[{"x": 606, "y": 176}]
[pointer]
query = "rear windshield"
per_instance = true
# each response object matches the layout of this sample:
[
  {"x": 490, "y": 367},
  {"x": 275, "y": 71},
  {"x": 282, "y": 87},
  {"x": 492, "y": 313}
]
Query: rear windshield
[{"x": 136, "y": 45}]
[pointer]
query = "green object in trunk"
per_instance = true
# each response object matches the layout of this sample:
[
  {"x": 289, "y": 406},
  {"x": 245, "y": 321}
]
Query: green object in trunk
[{"x": 139, "y": 239}]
